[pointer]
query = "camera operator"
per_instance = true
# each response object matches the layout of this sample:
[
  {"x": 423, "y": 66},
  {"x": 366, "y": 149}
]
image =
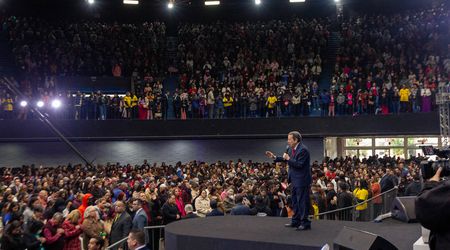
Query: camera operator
[{"x": 433, "y": 210}]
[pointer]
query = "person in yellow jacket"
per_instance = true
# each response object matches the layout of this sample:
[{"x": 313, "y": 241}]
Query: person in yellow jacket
[
  {"x": 271, "y": 104},
  {"x": 228, "y": 104},
  {"x": 361, "y": 194},
  {"x": 126, "y": 105},
  {"x": 404, "y": 94},
  {"x": 8, "y": 106}
]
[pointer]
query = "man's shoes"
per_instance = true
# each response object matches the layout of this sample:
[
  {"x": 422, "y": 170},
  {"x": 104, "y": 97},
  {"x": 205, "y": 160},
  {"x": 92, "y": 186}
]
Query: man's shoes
[
  {"x": 290, "y": 225},
  {"x": 303, "y": 228}
]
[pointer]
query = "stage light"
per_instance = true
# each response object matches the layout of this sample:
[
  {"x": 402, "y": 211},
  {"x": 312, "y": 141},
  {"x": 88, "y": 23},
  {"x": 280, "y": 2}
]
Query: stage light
[
  {"x": 210, "y": 3},
  {"x": 297, "y": 1},
  {"x": 130, "y": 2},
  {"x": 23, "y": 104},
  {"x": 257, "y": 2},
  {"x": 56, "y": 103},
  {"x": 337, "y": 1},
  {"x": 40, "y": 104},
  {"x": 170, "y": 5},
  {"x": 91, "y": 1}
]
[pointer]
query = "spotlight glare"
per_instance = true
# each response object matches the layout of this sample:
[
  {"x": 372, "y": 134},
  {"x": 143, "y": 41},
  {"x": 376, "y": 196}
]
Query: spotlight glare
[
  {"x": 91, "y": 1},
  {"x": 170, "y": 5},
  {"x": 56, "y": 103},
  {"x": 130, "y": 2},
  {"x": 336, "y": 1},
  {"x": 257, "y": 2},
  {"x": 297, "y": 1},
  {"x": 40, "y": 104},
  {"x": 209, "y": 3},
  {"x": 23, "y": 104}
]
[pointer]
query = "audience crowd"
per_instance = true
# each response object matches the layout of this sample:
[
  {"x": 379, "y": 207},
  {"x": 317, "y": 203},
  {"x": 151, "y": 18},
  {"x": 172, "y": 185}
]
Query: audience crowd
[
  {"x": 52, "y": 207},
  {"x": 386, "y": 64}
]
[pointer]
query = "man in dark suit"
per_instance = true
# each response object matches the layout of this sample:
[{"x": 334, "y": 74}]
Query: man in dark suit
[
  {"x": 140, "y": 217},
  {"x": 136, "y": 240},
  {"x": 299, "y": 176},
  {"x": 121, "y": 225},
  {"x": 387, "y": 182}
]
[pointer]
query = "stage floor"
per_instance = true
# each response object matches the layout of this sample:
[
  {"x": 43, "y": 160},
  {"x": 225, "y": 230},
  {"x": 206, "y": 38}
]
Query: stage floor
[{"x": 215, "y": 232}]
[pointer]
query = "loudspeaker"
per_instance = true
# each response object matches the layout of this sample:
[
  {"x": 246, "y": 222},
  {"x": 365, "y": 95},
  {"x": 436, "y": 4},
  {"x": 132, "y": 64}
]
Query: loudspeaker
[
  {"x": 404, "y": 209},
  {"x": 354, "y": 239}
]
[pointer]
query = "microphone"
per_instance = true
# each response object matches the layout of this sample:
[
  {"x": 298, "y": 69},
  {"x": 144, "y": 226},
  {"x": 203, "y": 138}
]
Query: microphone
[{"x": 287, "y": 149}]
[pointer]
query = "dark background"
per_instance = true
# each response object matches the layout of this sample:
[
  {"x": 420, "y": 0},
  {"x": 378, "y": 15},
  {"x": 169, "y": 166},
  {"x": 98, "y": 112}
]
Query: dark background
[{"x": 194, "y": 10}]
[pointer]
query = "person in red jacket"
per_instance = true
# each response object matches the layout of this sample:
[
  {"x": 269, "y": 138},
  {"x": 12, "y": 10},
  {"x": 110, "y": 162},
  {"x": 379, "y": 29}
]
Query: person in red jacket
[{"x": 86, "y": 202}]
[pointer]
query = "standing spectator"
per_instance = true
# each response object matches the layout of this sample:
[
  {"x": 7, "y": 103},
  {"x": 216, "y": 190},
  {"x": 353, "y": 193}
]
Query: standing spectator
[
  {"x": 54, "y": 233},
  {"x": 72, "y": 231},
  {"x": 426, "y": 99},
  {"x": 344, "y": 200},
  {"x": 92, "y": 226},
  {"x": 136, "y": 240},
  {"x": 13, "y": 237},
  {"x": 140, "y": 217},
  {"x": 361, "y": 194},
  {"x": 96, "y": 243},
  {"x": 331, "y": 200},
  {"x": 376, "y": 191},
  {"x": 404, "y": 94},
  {"x": 228, "y": 105},
  {"x": 121, "y": 224},
  {"x": 170, "y": 211},
  {"x": 220, "y": 108},
  {"x": 32, "y": 238},
  {"x": 8, "y": 106},
  {"x": 271, "y": 104}
]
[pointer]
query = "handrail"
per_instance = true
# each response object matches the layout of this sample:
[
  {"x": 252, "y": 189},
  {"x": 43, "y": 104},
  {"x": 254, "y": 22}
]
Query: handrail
[
  {"x": 117, "y": 243},
  {"x": 357, "y": 204}
]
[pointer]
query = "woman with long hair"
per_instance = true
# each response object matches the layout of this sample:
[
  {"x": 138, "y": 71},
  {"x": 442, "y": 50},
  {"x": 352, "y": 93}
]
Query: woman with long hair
[
  {"x": 13, "y": 237},
  {"x": 72, "y": 230}
]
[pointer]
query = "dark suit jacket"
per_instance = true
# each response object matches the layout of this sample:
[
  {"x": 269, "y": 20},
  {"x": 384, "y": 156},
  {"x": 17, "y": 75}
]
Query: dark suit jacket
[
  {"x": 120, "y": 228},
  {"x": 299, "y": 173},
  {"x": 387, "y": 182},
  {"x": 140, "y": 220}
]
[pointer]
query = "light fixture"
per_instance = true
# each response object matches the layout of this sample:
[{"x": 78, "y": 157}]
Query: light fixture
[
  {"x": 23, "y": 104},
  {"x": 91, "y": 1},
  {"x": 40, "y": 104},
  {"x": 210, "y": 3},
  {"x": 130, "y": 2},
  {"x": 257, "y": 2},
  {"x": 56, "y": 103},
  {"x": 170, "y": 5},
  {"x": 297, "y": 1}
]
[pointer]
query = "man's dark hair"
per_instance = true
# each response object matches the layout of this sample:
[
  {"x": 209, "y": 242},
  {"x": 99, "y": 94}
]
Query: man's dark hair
[
  {"x": 100, "y": 242},
  {"x": 138, "y": 235},
  {"x": 239, "y": 198},
  {"x": 343, "y": 186},
  {"x": 213, "y": 204},
  {"x": 296, "y": 135}
]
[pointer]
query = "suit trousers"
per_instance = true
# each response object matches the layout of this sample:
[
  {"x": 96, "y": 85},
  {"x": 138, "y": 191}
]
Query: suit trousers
[{"x": 301, "y": 204}]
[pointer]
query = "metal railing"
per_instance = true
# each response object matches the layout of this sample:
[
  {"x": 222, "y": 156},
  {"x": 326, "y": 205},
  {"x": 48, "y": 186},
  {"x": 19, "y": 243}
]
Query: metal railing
[
  {"x": 153, "y": 238},
  {"x": 367, "y": 210}
]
